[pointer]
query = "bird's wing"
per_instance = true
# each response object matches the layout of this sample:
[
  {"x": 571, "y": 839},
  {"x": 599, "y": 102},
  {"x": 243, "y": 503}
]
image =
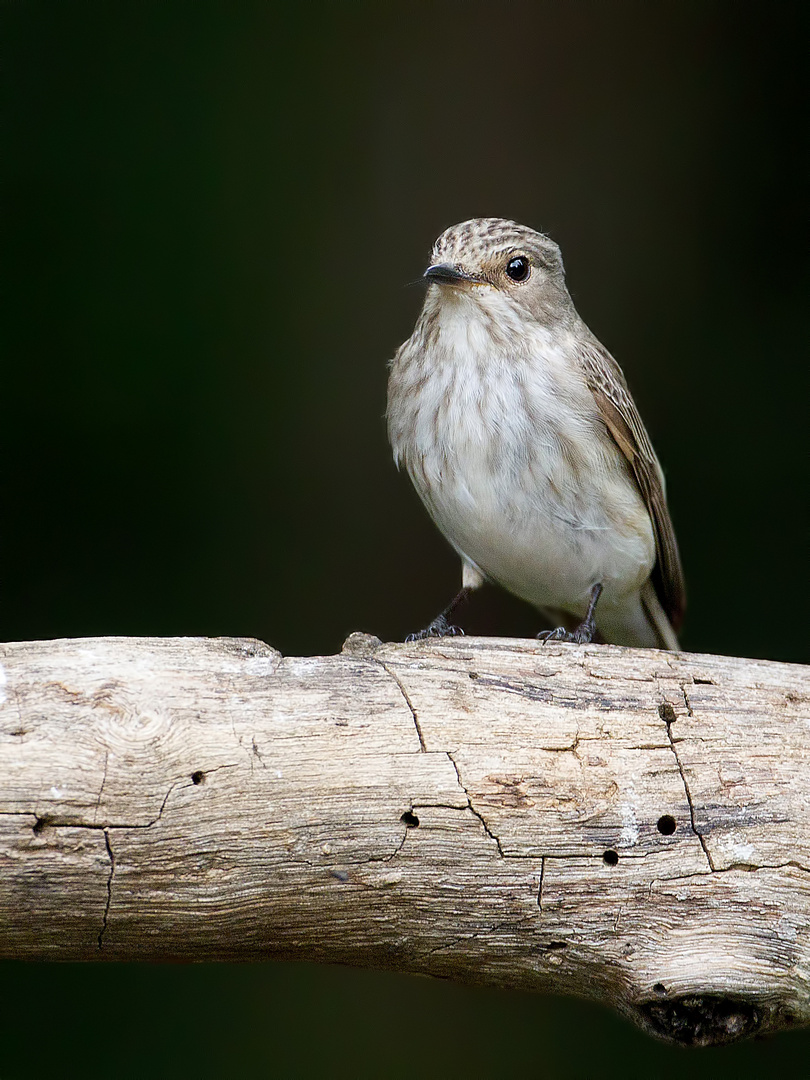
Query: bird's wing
[{"x": 619, "y": 412}]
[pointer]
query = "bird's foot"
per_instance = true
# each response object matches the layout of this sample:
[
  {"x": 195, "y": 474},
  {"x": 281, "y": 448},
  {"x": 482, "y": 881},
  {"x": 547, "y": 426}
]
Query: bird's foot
[
  {"x": 581, "y": 635},
  {"x": 440, "y": 627}
]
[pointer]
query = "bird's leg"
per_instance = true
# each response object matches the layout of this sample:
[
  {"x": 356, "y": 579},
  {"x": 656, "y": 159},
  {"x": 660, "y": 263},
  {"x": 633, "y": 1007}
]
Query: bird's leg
[
  {"x": 584, "y": 632},
  {"x": 441, "y": 625}
]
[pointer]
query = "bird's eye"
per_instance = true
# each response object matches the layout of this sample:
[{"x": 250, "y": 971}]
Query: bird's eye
[{"x": 518, "y": 268}]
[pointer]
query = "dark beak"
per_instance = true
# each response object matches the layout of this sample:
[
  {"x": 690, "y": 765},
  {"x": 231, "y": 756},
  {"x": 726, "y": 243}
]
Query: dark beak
[{"x": 444, "y": 274}]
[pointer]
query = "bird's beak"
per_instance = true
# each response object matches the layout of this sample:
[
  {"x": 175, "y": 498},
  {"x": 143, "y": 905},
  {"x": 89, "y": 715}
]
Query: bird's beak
[{"x": 444, "y": 274}]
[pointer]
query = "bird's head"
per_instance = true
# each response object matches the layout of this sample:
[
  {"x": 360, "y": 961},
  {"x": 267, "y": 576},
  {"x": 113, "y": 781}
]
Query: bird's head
[{"x": 500, "y": 261}]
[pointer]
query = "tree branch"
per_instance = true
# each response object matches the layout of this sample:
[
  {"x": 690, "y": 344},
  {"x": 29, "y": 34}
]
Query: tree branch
[{"x": 622, "y": 824}]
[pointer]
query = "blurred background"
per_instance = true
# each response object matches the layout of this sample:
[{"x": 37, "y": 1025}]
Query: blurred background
[{"x": 214, "y": 212}]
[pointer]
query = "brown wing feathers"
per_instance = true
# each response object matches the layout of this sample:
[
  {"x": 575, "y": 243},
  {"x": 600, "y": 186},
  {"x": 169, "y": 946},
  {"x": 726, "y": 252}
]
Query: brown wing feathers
[{"x": 622, "y": 419}]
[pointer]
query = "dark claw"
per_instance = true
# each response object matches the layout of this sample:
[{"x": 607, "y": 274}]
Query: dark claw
[
  {"x": 581, "y": 636},
  {"x": 441, "y": 625},
  {"x": 438, "y": 628}
]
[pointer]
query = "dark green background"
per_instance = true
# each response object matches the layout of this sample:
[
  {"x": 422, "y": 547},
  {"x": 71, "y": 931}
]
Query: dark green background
[{"x": 213, "y": 213}]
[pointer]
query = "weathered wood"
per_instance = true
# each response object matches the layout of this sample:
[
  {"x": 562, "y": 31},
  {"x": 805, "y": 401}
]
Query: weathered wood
[{"x": 622, "y": 824}]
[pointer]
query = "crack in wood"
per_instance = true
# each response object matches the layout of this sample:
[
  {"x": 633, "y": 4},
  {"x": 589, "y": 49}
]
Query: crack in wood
[
  {"x": 746, "y": 868},
  {"x": 103, "y": 782},
  {"x": 54, "y": 823},
  {"x": 256, "y": 754},
  {"x": 753, "y": 867},
  {"x": 572, "y": 748},
  {"x": 408, "y": 702},
  {"x": 686, "y": 700},
  {"x": 105, "y": 917},
  {"x": 668, "y": 725},
  {"x": 399, "y": 846},
  {"x": 472, "y": 809}
]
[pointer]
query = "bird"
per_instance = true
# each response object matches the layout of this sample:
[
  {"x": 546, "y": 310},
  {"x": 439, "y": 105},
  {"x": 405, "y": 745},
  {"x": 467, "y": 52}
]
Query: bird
[{"x": 519, "y": 433}]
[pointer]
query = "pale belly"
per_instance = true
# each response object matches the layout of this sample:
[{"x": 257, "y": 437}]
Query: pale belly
[{"x": 542, "y": 529}]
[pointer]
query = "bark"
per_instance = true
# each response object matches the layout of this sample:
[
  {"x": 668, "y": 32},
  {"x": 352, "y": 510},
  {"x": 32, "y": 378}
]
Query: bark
[{"x": 622, "y": 824}]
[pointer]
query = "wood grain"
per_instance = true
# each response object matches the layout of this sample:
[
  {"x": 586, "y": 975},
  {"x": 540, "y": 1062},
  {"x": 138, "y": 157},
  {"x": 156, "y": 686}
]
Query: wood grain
[{"x": 622, "y": 824}]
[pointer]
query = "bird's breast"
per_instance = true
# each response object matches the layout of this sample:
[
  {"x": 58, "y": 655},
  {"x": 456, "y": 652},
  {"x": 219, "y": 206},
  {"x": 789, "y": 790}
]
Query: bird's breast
[{"x": 505, "y": 446}]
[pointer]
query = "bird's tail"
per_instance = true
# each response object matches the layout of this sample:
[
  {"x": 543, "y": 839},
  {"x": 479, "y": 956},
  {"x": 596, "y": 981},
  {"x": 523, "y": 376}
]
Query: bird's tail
[
  {"x": 657, "y": 617},
  {"x": 639, "y": 622}
]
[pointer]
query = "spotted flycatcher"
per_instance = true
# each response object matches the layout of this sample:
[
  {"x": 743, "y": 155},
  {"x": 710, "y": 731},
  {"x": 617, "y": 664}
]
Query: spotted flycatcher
[{"x": 519, "y": 433}]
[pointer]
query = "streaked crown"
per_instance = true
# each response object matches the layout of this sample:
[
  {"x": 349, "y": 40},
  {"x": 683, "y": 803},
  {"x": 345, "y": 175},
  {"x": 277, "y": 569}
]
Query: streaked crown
[{"x": 483, "y": 242}]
